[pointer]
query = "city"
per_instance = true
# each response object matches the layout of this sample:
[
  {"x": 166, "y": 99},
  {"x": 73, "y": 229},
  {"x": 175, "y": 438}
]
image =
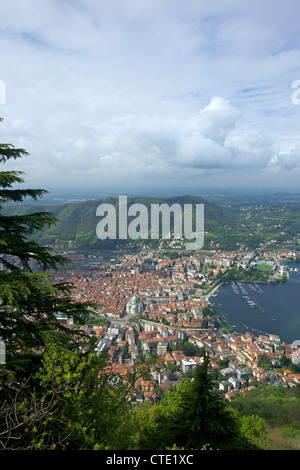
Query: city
[
  {"x": 158, "y": 305},
  {"x": 150, "y": 228}
]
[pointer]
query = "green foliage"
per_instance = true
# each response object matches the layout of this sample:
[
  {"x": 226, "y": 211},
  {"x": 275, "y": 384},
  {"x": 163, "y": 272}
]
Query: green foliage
[
  {"x": 286, "y": 363},
  {"x": 141, "y": 430},
  {"x": 253, "y": 427},
  {"x": 89, "y": 404},
  {"x": 241, "y": 274},
  {"x": 291, "y": 430},
  {"x": 30, "y": 302},
  {"x": 201, "y": 416},
  {"x": 71, "y": 402},
  {"x": 191, "y": 416},
  {"x": 278, "y": 407}
]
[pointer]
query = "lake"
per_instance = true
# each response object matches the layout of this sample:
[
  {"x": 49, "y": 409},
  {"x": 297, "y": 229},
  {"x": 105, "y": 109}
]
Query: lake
[{"x": 268, "y": 308}]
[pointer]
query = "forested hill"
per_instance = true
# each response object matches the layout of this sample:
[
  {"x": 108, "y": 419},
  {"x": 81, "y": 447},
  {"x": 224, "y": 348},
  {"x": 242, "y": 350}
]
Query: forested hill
[
  {"x": 226, "y": 228},
  {"x": 78, "y": 221}
]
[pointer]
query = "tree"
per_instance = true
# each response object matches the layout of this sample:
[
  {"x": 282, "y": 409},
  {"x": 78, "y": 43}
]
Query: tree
[
  {"x": 194, "y": 415},
  {"x": 30, "y": 302},
  {"x": 253, "y": 427},
  {"x": 207, "y": 419},
  {"x": 70, "y": 403},
  {"x": 141, "y": 430}
]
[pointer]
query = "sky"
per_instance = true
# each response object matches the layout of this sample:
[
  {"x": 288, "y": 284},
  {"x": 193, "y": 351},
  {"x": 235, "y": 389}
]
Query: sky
[{"x": 139, "y": 94}]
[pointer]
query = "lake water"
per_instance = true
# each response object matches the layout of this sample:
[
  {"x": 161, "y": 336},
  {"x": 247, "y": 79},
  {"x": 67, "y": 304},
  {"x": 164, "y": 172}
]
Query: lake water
[{"x": 277, "y": 306}]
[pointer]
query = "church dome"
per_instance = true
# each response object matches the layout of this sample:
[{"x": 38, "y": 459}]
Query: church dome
[{"x": 134, "y": 304}]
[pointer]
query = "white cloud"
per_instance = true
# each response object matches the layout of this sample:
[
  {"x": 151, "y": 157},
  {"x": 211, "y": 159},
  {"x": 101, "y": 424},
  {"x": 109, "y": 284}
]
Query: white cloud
[
  {"x": 113, "y": 92},
  {"x": 289, "y": 161}
]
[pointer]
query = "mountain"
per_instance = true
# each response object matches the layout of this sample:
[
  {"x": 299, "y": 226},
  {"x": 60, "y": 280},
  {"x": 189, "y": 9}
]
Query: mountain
[
  {"x": 77, "y": 221},
  {"x": 226, "y": 227}
]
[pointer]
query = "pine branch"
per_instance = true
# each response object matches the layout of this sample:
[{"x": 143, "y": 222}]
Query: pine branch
[
  {"x": 8, "y": 178},
  {"x": 8, "y": 151}
]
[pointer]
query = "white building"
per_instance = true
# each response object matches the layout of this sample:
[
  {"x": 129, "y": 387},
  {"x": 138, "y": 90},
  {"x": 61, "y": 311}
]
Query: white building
[{"x": 188, "y": 364}]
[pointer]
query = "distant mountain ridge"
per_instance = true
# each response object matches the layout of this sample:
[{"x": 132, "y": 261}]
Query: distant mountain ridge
[{"x": 77, "y": 221}]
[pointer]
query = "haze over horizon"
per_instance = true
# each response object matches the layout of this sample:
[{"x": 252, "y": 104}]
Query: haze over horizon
[{"x": 146, "y": 94}]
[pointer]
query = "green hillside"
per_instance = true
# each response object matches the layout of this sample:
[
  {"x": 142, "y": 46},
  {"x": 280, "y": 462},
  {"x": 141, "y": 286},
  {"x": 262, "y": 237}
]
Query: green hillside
[
  {"x": 226, "y": 228},
  {"x": 279, "y": 408},
  {"x": 77, "y": 221}
]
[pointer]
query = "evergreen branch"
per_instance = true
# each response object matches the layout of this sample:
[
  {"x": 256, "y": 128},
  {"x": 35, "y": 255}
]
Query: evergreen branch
[
  {"x": 18, "y": 195},
  {"x": 8, "y": 178},
  {"x": 8, "y": 151}
]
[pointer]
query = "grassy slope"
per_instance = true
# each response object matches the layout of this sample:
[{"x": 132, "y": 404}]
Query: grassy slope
[{"x": 280, "y": 408}]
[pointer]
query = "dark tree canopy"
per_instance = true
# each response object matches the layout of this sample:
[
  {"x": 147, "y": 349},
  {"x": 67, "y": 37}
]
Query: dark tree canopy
[
  {"x": 29, "y": 301},
  {"x": 195, "y": 415}
]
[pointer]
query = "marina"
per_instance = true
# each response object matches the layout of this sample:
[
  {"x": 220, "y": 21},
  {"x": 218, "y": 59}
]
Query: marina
[
  {"x": 248, "y": 293},
  {"x": 264, "y": 307}
]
